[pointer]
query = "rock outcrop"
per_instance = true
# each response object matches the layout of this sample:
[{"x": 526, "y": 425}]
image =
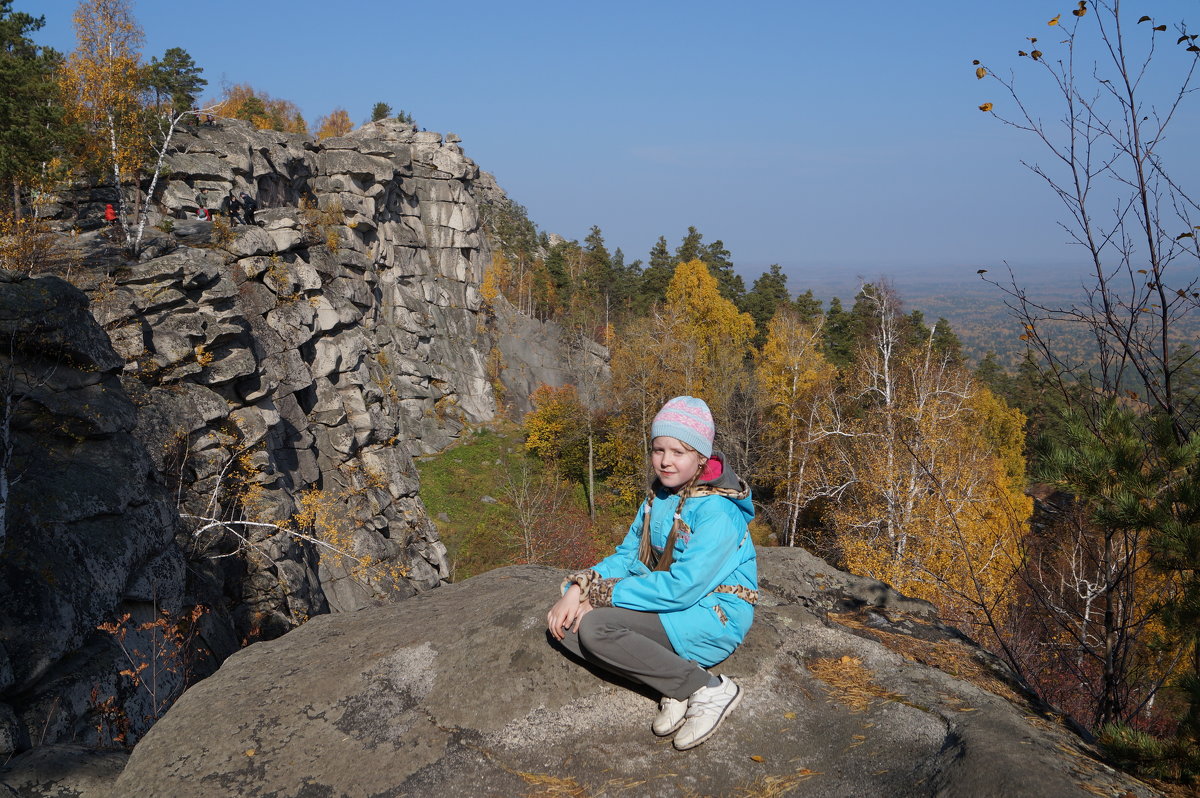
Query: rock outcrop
[
  {"x": 89, "y": 526},
  {"x": 458, "y": 692},
  {"x": 233, "y": 446}
]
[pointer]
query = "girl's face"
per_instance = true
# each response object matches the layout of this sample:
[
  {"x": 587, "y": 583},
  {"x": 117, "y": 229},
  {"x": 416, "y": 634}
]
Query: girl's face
[{"x": 675, "y": 462}]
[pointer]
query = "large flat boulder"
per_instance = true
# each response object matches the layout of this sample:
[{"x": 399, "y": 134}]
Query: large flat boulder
[{"x": 458, "y": 692}]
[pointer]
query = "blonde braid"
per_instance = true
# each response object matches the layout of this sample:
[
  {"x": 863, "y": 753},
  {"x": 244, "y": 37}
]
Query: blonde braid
[{"x": 668, "y": 554}]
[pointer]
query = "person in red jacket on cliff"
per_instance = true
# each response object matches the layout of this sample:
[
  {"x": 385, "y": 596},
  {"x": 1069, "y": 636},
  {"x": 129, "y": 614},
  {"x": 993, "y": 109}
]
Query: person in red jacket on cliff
[{"x": 110, "y": 216}]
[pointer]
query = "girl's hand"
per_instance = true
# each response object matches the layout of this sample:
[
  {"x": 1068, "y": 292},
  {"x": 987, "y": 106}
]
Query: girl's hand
[{"x": 566, "y": 612}]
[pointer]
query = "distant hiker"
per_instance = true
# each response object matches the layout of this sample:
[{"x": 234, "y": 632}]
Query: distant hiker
[
  {"x": 249, "y": 206},
  {"x": 232, "y": 207},
  {"x": 202, "y": 211},
  {"x": 110, "y": 216}
]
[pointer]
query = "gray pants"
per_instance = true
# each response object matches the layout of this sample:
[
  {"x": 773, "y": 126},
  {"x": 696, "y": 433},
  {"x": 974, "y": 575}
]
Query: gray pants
[{"x": 634, "y": 645}]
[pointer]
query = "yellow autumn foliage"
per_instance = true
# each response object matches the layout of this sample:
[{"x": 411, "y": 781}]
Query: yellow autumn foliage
[
  {"x": 243, "y": 101},
  {"x": 796, "y": 383},
  {"x": 715, "y": 336},
  {"x": 102, "y": 89},
  {"x": 337, "y": 123},
  {"x": 937, "y": 506}
]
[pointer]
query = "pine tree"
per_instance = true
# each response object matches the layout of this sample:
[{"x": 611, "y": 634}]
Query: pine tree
[
  {"x": 839, "y": 335},
  {"x": 176, "y": 78},
  {"x": 994, "y": 377},
  {"x": 656, "y": 275},
  {"x": 691, "y": 247},
  {"x": 767, "y": 296},
  {"x": 716, "y": 257},
  {"x": 380, "y": 111},
  {"x": 946, "y": 343},
  {"x": 32, "y": 128},
  {"x": 808, "y": 307}
]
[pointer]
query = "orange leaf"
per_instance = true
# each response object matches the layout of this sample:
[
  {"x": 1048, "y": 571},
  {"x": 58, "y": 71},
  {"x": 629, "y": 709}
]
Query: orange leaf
[
  {"x": 1054, "y": 21},
  {"x": 757, "y": 758},
  {"x": 985, "y": 107}
]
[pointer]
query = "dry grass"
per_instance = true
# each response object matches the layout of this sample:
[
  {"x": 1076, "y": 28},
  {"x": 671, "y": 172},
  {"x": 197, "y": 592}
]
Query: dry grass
[
  {"x": 849, "y": 682},
  {"x": 949, "y": 656},
  {"x": 547, "y": 786},
  {"x": 775, "y": 786}
]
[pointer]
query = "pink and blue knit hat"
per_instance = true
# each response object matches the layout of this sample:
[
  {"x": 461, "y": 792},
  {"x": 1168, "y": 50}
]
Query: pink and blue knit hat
[{"x": 688, "y": 419}]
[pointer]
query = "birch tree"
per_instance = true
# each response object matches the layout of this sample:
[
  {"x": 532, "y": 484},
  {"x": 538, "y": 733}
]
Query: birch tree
[
  {"x": 102, "y": 83},
  {"x": 796, "y": 382},
  {"x": 928, "y": 475}
]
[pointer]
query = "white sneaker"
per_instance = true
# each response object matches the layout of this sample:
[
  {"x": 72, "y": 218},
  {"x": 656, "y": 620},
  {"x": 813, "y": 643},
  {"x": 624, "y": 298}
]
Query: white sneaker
[
  {"x": 669, "y": 717},
  {"x": 707, "y": 707}
]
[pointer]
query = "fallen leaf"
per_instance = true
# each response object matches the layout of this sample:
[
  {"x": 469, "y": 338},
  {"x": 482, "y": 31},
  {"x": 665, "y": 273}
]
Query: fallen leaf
[
  {"x": 757, "y": 758},
  {"x": 249, "y": 752},
  {"x": 790, "y": 715}
]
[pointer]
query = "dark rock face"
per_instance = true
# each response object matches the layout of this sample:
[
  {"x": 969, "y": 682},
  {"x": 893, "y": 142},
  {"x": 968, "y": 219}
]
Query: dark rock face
[
  {"x": 89, "y": 528},
  {"x": 458, "y": 692}
]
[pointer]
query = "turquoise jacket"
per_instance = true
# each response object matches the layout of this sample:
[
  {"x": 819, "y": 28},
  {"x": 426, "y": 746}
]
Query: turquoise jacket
[{"x": 713, "y": 550}]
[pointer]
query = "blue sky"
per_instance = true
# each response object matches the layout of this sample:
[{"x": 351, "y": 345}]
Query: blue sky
[{"x": 836, "y": 140}]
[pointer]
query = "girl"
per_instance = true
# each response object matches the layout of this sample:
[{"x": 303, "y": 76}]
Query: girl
[{"x": 679, "y": 592}]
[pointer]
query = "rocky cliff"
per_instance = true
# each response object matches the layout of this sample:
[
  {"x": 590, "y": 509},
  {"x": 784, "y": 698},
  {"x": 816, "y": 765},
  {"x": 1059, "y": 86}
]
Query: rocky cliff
[{"x": 223, "y": 447}]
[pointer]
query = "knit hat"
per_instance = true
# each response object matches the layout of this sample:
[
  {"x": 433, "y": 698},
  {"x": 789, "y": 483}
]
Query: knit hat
[{"x": 688, "y": 419}]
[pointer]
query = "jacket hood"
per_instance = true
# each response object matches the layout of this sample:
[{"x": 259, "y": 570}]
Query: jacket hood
[{"x": 726, "y": 483}]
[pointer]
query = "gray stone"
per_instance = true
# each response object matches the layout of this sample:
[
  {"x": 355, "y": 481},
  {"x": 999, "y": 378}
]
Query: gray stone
[
  {"x": 462, "y": 694},
  {"x": 293, "y": 321},
  {"x": 249, "y": 240},
  {"x": 202, "y": 166},
  {"x": 285, "y": 239}
]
